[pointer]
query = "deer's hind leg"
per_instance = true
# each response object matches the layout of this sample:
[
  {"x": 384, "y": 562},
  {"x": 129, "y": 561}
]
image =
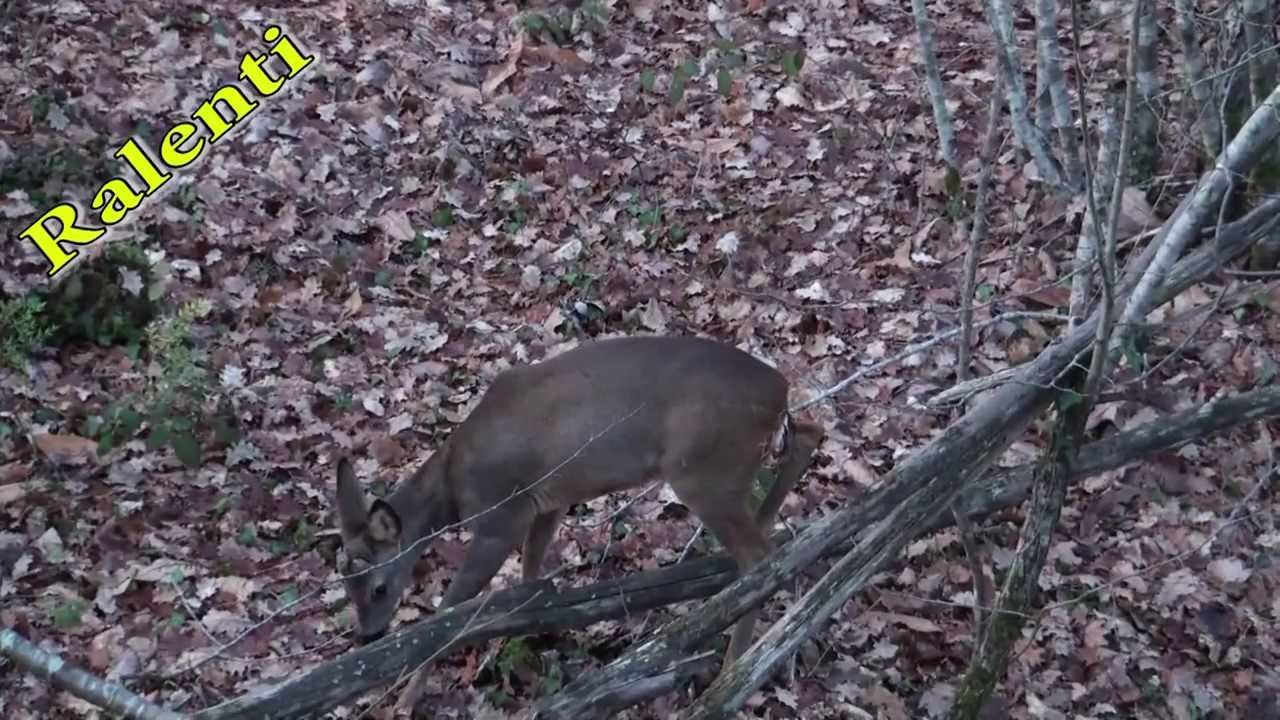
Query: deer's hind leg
[
  {"x": 803, "y": 439},
  {"x": 717, "y": 489},
  {"x": 541, "y": 532},
  {"x": 735, "y": 527}
]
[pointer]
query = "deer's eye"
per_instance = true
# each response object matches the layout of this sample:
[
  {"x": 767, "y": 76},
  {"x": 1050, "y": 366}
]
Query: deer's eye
[{"x": 380, "y": 591}]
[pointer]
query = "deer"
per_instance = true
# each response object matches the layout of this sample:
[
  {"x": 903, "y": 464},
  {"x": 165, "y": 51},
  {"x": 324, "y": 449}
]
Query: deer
[{"x": 609, "y": 415}]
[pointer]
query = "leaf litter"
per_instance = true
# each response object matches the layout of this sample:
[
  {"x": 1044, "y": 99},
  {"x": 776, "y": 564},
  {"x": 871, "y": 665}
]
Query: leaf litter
[{"x": 452, "y": 192}]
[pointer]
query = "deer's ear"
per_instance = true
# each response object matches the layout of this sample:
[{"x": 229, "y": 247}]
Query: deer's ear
[
  {"x": 384, "y": 523},
  {"x": 328, "y": 544},
  {"x": 351, "y": 509}
]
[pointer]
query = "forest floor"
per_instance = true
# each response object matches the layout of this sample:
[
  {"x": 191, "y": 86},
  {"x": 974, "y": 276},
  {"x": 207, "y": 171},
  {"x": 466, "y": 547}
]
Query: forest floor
[{"x": 447, "y": 192}]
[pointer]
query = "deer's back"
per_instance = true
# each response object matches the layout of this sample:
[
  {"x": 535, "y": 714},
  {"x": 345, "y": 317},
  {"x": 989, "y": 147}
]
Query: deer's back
[{"x": 608, "y": 414}]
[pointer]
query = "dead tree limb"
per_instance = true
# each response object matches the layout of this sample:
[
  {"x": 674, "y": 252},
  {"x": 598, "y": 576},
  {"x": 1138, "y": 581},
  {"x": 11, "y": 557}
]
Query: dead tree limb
[
  {"x": 524, "y": 609},
  {"x": 512, "y": 612},
  {"x": 1007, "y": 488},
  {"x": 918, "y": 490},
  {"x": 59, "y": 673}
]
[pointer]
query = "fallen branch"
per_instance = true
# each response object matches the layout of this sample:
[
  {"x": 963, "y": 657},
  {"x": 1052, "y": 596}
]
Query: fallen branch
[
  {"x": 1231, "y": 240},
  {"x": 1006, "y": 488},
  {"x": 524, "y": 609},
  {"x": 919, "y": 489},
  {"x": 53, "y": 669},
  {"x": 521, "y": 610}
]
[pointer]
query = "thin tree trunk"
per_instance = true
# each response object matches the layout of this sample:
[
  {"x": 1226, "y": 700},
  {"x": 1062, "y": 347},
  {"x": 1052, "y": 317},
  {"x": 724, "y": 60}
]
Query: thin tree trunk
[
  {"x": 1050, "y": 59},
  {"x": 1022, "y": 580},
  {"x": 1201, "y": 89}
]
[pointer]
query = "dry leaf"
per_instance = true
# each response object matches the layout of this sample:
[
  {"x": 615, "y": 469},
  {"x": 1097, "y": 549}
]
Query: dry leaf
[
  {"x": 67, "y": 449},
  {"x": 1229, "y": 570},
  {"x": 499, "y": 75}
]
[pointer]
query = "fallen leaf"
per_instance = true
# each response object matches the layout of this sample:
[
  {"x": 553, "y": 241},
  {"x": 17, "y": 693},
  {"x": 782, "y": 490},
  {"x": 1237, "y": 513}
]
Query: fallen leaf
[
  {"x": 500, "y": 74},
  {"x": 1229, "y": 570},
  {"x": 67, "y": 449}
]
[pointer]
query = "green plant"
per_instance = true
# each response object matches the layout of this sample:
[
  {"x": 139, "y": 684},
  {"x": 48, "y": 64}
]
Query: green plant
[
  {"x": 442, "y": 217},
  {"x": 36, "y": 170},
  {"x": 108, "y": 301},
  {"x": 223, "y": 505},
  {"x": 23, "y": 328},
  {"x": 68, "y": 614},
  {"x": 516, "y": 653},
  {"x": 764, "y": 480},
  {"x": 173, "y": 405},
  {"x": 551, "y": 681},
  {"x": 590, "y": 16},
  {"x": 558, "y": 26},
  {"x": 187, "y": 199},
  {"x": 516, "y": 218},
  {"x": 421, "y": 241},
  {"x": 515, "y": 196},
  {"x": 679, "y": 80},
  {"x": 792, "y": 62},
  {"x": 730, "y": 58},
  {"x": 303, "y": 534},
  {"x": 344, "y": 400},
  {"x": 577, "y": 278},
  {"x": 655, "y": 226}
]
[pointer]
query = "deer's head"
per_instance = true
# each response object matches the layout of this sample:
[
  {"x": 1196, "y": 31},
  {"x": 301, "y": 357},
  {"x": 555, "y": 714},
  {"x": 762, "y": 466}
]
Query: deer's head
[{"x": 371, "y": 553}]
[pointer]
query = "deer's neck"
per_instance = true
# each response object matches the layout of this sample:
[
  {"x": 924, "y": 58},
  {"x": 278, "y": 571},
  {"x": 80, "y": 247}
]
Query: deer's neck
[{"x": 424, "y": 502}]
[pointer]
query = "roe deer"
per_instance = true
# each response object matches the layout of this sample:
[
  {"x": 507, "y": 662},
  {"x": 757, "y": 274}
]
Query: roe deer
[{"x": 610, "y": 415}]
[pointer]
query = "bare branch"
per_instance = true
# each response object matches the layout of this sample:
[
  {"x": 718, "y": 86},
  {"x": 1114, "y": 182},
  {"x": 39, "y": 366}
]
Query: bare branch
[
  {"x": 933, "y": 81},
  {"x": 1029, "y": 134},
  {"x": 1256, "y": 136},
  {"x": 917, "y": 348},
  {"x": 1049, "y": 59},
  {"x": 977, "y": 233},
  {"x": 1107, "y": 267},
  {"x": 106, "y": 695}
]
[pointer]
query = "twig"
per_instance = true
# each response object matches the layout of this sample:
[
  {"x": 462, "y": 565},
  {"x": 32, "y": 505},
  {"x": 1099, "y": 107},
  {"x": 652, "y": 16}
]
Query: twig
[
  {"x": 414, "y": 691},
  {"x": 687, "y": 546},
  {"x": 977, "y": 232},
  {"x": 58, "y": 672},
  {"x": 1107, "y": 267},
  {"x": 982, "y": 590},
  {"x": 920, "y": 347},
  {"x": 619, "y": 510},
  {"x": 1187, "y": 340},
  {"x": 1257, "y": 274}
]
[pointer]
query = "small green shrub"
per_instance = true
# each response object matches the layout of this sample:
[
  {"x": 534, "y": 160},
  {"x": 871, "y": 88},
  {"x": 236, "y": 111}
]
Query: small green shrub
[
  {"x": 181, "y": 404},
  {"x": 23, "y": 328},
  {"x": 107, "y": 301}
]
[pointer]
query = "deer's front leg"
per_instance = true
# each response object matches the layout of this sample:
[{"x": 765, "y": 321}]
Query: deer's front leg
[{"x": 494, "y": 537}]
